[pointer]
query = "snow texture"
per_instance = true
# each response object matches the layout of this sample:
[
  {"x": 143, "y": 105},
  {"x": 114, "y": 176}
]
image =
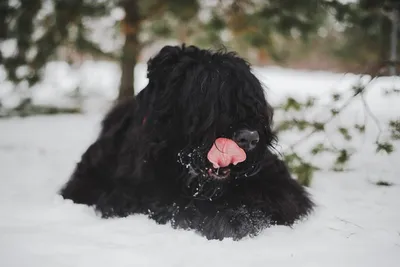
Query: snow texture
[{"x": 356, "y": 223}]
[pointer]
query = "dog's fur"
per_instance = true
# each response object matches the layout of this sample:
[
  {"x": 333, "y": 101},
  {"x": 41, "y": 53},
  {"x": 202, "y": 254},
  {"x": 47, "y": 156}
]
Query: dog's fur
[{"x": 150, "y": 156}]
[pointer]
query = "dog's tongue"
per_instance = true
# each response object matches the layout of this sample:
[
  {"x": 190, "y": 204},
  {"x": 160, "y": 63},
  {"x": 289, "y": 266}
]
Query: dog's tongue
[{"x": 224, "y": 152}]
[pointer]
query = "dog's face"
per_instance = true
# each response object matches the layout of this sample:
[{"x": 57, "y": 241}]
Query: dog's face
[{"x": 210, "y": 111}]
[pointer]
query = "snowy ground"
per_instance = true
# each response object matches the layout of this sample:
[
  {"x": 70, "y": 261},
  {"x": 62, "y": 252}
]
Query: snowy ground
[{"x": 356, "y": 222}]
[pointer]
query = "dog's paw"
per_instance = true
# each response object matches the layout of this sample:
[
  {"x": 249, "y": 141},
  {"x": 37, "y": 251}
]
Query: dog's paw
[
  {"x": 235, "y": 224},
  {"x": 116, "y": 204}
]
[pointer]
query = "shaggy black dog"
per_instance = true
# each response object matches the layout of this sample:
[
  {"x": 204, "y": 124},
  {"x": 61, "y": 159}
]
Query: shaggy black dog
[{"x": 193, "y": 149}]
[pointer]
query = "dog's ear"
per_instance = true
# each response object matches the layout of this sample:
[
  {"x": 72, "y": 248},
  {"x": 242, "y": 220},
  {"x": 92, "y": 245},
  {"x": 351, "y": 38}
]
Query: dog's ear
[
  {"x": 156, "y": 97},
  {"x": 164, "y": 62}
]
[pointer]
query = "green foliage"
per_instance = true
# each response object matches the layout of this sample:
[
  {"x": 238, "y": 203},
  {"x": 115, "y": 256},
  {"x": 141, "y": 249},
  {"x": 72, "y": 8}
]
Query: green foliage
[
  {"x": 318, "y": 126},
  {"x": 358, "y": 89},
  {"x": 342, "y": 157},
  {"x": 345, "y": 133},
  {"x": 266, "y": 25},
  {"x": 385, "y": 147},
  {"x": 27, "y": 108},
  {"x": 360, "y": 128},
  {"x": 334, "y": 111},
  {"x": 336, "y": 97},
  {"x": 39, "y": 32},
  {"x": 184, "y": 10},
  {"x": 365, "y": 37},
  {"x": 160, "y": 28},
  {"x": 319, "y": 148},
  {"x": 304, "y": 169},
  {"x": 394, "y": 126},
  {"x": 291, "y": 103},
  {"x": 392, "y": 91}
]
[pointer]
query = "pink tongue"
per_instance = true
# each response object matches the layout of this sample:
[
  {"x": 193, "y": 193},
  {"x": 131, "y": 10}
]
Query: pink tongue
[{"x": 224, "y": 152}]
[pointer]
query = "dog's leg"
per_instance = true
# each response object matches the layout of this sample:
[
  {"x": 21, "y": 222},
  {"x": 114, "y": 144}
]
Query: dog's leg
[
  {"x": 92, "y": 175},
  {"x": 274, "y": 193},
  {"x": 216, "y": 220},
  {"x": 93, "y": 183},
  {"x": 232, "y": 223},
  {"x": 92, "y": 178},
  {"x": 254, "y": 203}
]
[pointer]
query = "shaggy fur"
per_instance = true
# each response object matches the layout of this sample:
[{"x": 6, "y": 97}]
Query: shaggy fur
[{"x": 150, "y": 157}]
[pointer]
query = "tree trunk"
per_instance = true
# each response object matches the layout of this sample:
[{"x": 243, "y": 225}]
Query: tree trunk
[
  {"x": 393, "y": 41},
  {"x": 262, "y": 56},
  {"x": 131, "y": 49}
]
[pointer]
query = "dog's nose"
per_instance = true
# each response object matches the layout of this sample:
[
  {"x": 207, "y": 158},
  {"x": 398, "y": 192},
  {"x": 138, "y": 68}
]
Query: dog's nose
[{"x": 246, "y": 139}]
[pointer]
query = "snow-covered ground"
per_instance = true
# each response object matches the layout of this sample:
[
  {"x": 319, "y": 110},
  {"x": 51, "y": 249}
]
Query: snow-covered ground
[{"x": 356, "y": 222}]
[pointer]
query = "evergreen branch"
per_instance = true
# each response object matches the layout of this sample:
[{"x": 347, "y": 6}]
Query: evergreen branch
[
  {"x": 372, "y": 115},
  {"x": 360, "y": 91},
  {"x": 154, "y": 11}
]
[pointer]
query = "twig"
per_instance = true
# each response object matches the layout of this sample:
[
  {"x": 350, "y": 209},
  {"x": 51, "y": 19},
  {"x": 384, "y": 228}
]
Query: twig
[
  {"x": 348, "y": 222},
  {"x": 304, "y": 138},
  {"x": 351, "y": 234},
  {"x": 372, "y": 115},
  {"x": 345, "y": 105}
]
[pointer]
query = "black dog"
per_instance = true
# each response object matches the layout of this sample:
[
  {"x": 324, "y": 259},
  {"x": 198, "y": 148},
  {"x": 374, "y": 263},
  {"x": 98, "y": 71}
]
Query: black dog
[{"x": 193, "y": 149}]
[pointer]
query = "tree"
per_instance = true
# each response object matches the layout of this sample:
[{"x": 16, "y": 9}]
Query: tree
[
  {"x": 248, "y": 22},
  {"x": 131, "y": 49},
  {"x": 266, "y": 26},
  {"x": 33, "y": 30},
  {"x": 366, "y": 29},
  {"x": 153, "y": 17},
  {"x": 64, "y": 24}
]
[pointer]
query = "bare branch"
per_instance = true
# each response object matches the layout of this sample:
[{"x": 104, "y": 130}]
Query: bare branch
[
  {"x": 360, "y": 92},
  {"x": 372, "y": 115}
]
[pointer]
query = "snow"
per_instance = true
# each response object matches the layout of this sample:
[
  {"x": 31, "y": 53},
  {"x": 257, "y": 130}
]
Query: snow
[{"x": 356, "y": 222}]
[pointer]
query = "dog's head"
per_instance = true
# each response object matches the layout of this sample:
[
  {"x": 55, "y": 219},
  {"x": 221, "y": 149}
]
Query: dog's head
[{"x": 208, "y": 111}]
